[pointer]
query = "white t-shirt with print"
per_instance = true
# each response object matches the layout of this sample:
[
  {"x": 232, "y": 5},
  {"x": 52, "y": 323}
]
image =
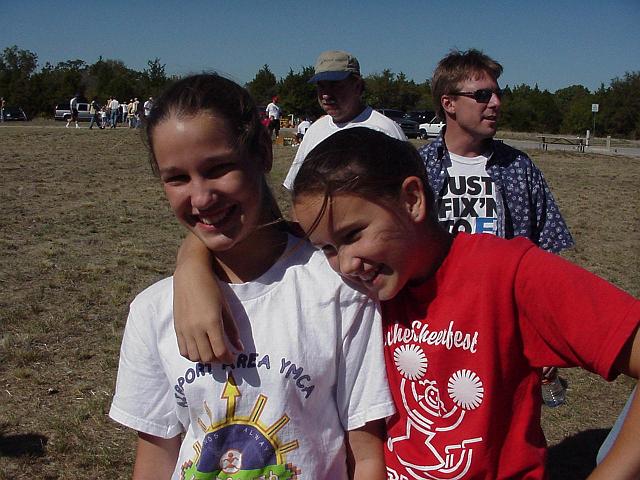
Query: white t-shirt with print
[
  {"x": 468, "y": 203},
  {"x": 325, "y": 127},
  {"x": 312, "y": 368}
]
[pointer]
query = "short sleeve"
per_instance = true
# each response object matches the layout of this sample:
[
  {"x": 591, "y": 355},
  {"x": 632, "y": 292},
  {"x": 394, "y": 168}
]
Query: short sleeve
[
  {"x": 570, "y": 317},
  {"x": 143, "y": 399},
  {"x": 363, "y": 391}
]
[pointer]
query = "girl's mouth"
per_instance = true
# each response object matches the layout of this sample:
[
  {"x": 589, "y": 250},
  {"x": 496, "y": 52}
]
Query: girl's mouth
[{"x": 216, "y": 219}]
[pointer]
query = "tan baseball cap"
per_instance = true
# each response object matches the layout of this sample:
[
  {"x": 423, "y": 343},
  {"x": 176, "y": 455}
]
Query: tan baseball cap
[{"x": 335, "y": 65}]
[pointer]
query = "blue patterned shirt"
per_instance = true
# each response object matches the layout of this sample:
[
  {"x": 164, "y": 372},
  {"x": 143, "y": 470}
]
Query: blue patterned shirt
[{"x": 525, "y": 205}]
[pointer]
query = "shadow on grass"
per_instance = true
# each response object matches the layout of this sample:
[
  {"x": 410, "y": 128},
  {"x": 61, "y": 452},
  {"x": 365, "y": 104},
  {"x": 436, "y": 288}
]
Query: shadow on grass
[
  {"x": 575, "y": 457},
  {"x": 31, "y": 444}
]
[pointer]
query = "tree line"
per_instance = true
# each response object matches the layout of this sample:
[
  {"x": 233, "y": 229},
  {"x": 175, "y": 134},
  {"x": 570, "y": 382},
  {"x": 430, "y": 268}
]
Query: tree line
[{"x": 524, "y": 108}]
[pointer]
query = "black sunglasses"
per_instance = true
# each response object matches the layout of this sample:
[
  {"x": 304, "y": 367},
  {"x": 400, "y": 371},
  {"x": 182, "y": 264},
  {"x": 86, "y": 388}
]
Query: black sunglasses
[{"x": 481, "y": 96}]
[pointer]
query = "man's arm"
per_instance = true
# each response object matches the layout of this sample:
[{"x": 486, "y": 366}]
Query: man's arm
[
  {"x": 201, "y": 314},
  {"x": 365, "y": 453},
  {"x": 155, "y": 457}
]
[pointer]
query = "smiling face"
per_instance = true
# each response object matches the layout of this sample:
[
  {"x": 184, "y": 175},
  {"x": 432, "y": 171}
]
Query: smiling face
[
  {"x": 343, "y": 99},
  {"x": 367, "y": 242},
  {"x": 474, "y": 119},
  {"x": 214, "y": 190}
]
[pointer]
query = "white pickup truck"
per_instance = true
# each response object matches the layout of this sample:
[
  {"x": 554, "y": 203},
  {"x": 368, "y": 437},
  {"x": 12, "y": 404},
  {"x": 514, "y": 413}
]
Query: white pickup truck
[{"x": 430, "y": 129}]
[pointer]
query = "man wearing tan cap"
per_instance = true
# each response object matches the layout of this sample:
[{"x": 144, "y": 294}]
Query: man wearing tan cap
[{"x": 339, "y": 88}]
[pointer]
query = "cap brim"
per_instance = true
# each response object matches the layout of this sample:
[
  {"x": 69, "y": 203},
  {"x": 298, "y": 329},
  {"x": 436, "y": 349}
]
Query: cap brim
[{"x": 329, "y": 77}]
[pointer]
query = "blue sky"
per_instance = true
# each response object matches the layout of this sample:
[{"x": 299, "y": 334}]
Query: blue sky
[{"x": 552, "y": 43}]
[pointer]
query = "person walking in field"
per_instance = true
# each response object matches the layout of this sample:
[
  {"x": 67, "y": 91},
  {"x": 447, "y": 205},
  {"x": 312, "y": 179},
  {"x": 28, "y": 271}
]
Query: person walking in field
[
  {"x": 114, "y": 105},
  {"x": 274, "y": 112},
  {"x": 73, "y": 106}
]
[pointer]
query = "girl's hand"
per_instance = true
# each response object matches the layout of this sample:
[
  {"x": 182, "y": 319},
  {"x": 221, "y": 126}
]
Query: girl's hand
[{"x": 201, "y": 314}]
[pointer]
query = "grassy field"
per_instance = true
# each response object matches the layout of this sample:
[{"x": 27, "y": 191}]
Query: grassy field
[{"x": 84, "y": 227}]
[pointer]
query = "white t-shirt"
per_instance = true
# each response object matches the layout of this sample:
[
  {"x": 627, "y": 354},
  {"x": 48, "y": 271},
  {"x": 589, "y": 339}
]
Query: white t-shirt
[
  {"x": 273, "y": 111},
  {"x": 147, "y": 107},
  {"x": 303, "y": 126},
  {"x": 115, "y": 104},
  {"x": 325, "y": 127},
  {"x": 468, "y": 203},
  {"x": 73, "y": 103},
  {"x": 313, "y": 367}
]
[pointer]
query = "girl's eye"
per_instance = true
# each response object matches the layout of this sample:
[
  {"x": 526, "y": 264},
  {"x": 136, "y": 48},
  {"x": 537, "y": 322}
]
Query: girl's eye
[
  {"x": 219, "y": 170},
  {"x": 352, "y": 235},
  {"x": 176, "y": 179}
]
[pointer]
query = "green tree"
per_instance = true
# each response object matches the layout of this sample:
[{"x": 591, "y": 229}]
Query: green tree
[
  {"x": 16, "y": 69},
  {"x": 263, "y": 86},
  {"x": 297, "y": 95}
]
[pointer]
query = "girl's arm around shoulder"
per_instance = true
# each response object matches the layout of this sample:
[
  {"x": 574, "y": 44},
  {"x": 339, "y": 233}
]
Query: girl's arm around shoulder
[
  {"x": 155, "y": 457},
  {"x": 201, "y": 314},
  {"x": 365, "y": 453},
  {"x": 623, "y": 460}
]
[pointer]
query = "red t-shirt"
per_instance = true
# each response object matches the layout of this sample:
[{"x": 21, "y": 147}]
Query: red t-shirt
[{"x": 464, "y": 352}]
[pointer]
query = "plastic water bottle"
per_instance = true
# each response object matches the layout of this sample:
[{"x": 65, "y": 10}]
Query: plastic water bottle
[{"x": 553, "y": 391}]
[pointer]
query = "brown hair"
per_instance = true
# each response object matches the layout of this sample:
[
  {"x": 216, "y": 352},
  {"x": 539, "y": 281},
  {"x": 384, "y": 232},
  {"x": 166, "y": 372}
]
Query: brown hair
[
  {"x": 457, "y": 67},
  {"x": 363, "y": 162},
  {"x": 214, "y": 94}
]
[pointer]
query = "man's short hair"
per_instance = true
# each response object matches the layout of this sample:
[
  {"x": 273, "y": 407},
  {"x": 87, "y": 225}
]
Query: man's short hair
[{"x": 457, "y": 67}]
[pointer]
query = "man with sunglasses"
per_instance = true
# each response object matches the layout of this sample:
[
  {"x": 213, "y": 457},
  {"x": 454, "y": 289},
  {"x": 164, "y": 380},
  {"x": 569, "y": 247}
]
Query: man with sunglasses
[{"x": 482, "y": 185}]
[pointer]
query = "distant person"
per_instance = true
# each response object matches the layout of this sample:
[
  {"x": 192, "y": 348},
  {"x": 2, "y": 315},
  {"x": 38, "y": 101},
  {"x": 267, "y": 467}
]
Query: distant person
[
  {"x": 127, "y": 113},
  {"x": 303, "y": 126},
  {"x": 136, "y": 112},
  {"x": 114, "y": 105},
  {"x": 339, "y": 89},
  {"x": 148, "y": 105},
  {"x": 73, "y": 107},
  {"x": 273, "y": 113},
  {"x": 94, "y": 111},
  {"x": 103, "y": 118},
  {"x": 2, "y": 105}
]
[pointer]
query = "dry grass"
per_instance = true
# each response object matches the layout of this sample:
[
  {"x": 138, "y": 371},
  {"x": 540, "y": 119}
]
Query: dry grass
[{"x": 85, "y": 226}]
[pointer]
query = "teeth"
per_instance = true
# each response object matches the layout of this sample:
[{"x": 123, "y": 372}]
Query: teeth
[{"x": 215, "y": 219}]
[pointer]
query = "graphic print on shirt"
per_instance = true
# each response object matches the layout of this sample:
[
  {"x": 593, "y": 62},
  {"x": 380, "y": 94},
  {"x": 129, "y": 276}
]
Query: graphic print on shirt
[
  {"x": 240, "y": 447},
  {"x": 468, "y": 204},
  {"x": 429, "y": 415}
]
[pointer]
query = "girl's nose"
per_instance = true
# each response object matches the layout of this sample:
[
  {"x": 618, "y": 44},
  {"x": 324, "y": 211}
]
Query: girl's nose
[
  {"x": 202, "y": 195},
  {"x": 349, "y": 264}
]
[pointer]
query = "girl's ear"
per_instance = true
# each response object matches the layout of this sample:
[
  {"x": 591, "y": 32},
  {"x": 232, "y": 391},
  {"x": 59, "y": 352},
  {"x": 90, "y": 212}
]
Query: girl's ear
[{"x": 413, "y": 198}]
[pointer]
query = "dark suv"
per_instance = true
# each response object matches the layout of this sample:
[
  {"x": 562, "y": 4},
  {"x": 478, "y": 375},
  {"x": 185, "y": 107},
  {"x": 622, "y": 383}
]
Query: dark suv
[
  {"x": 13, "y": 114},
  {"x": 408, "y": 126}
]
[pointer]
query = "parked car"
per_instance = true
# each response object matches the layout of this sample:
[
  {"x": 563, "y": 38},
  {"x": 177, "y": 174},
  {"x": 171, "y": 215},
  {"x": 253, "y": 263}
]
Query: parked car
[
  {"x": 409, "y": 127},
  {"x": 13, "y": 114},
  {"x": 420, "y": 116},
  {"x": 431, "y": 129},
  {"x": 63, "y": 112}
]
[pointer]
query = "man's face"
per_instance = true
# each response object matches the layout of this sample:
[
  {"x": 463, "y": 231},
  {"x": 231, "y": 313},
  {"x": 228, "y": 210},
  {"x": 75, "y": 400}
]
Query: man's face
[
  {"x": 342, "y": 100},
  {"x": 475, "y": 118}
]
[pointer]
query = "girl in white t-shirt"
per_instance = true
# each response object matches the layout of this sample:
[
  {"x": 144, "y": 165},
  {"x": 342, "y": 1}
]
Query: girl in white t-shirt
[{"x": 312, "y": 363}]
